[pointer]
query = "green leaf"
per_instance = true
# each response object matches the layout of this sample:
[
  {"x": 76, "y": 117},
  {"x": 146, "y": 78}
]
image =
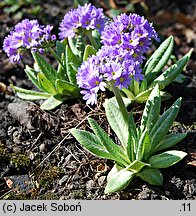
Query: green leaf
[
  {"x": 143, "y": 96},
  {"x": 131, "y": 147},
  {"x": 144, "y": 85},
  {"x": 67, "y": 89},
  {"x": 72, "y": 64},
  {"x": 115, "y": 150},
  {"x": 169, "y": 141},
  {"x": 117, "y": 122},
  {"x": 136, "y": 166},
  {"x": 159, "y": 59},
  {"x": 80, "y": 46},
  {"x": 164, "y": 123},
  {"x": 32, "y": 74},
  {"x": 90, "y": 142},
  {"x": 166, "y": 159},
  {"x": 49, "y": 72},
  {"x": 46, "y": 84},
  {"x": 118, "y": 181},
  {"x": 52, "y": 102},
  {"x": 151, "y": 175},
  {"x": 136, "y": 89},
  {"x": 144, "y": 146},
  {"x": 61, "y": 70},
  {"x": 29, "y": 94},
  {"x": 151, "y": 110},
  {"x": 89, "y": 51},
  {"x": 60, "y": 48},
  {"x": 132, "y": 138},
  {"x": 180, "y": 78},
  {"x": 126, "y": 101},
  {"x": 172, "y": 72}
]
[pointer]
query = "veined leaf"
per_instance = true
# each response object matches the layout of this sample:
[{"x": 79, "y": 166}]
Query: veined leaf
[
  {"x": 144, "y": 85},
  {"x": 90, "y": 142},
  {"x": 166, "y": 159},
  {"x": 32, "y": 74},
  {"x": 143, "y": 96},
  {"x": 118, "y": 181},
  {"x": 115, "y": 169},
  {"x": 61, "y": 70},
  {"x": 46, "y": 84},
  {"x": 115, "y": 150},
  {"x": 126, "y": 101},
  {"x": 159, "y": 59},
  {"x": 132, "y": 139},
  {"x": 67, "y": 89},
  {"x": 151, "y": 110},
  {"x": 172, "y": 72},
  {"x": 151, "y": 175},
  {"x": 144, "y": 146},
  {"x": 60, "y": 48},
  {"x": 117, "y": 122},
  {"x": 136, "y": 89},
  {"x": 29, "y": 94},
  {"x": 52, "y": 102},
  {"x": 164, "y": 123},
  {"x": 89, "y": 50},
  {"x": 72, "y": 63},
  {"x": 180, "y": 78},
  {"x": 80, "y": 46},
  {"x": 49, "y": 72},
  {"x": 136, "y": 166},
  {"x": 169, "y": 141}
]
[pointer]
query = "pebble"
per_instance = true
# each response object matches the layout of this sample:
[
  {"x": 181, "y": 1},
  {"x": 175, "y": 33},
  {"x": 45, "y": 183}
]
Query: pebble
[
  {"x": 63, "y": 180},
  {"x": 42, "y": 147},
  {"x": 101, "y": 180},
  {"x": 90, "y": 184}
]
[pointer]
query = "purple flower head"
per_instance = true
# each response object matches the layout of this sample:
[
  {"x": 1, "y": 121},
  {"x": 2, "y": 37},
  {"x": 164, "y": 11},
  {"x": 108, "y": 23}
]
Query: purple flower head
[
  {"x": 88, "y": 17},
  {"x": 27, "y": 34},
  {"x": 132, "y": 32},
  {"x": 109, "y": 64}
]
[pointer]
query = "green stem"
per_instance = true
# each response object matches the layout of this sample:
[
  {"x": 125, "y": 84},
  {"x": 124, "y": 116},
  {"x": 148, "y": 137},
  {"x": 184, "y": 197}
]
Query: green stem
[
  {"x": 120, "y": 101},
  {"x": 56, "y": 56},
  {"x": 92, "y": 39},
  {"x": 58, "y": 60}
]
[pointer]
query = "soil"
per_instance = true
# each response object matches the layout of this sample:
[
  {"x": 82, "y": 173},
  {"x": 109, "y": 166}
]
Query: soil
[{"x": 39, "y": 159}]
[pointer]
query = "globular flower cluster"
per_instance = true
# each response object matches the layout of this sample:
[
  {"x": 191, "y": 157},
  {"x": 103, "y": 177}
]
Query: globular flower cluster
[
  {"x": 109, "y": 64},
  {"x": 27, "y": 34},
  {"x": 125, "y": 40},
  {"x": 87, "y": 17},
  {"x": 133, "y": 33}
]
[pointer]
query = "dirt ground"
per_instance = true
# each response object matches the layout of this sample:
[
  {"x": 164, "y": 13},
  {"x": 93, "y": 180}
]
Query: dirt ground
[{"x": 39, "y": 159}]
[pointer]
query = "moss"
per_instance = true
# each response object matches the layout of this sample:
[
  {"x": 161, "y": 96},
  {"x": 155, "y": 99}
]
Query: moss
[
  {"x": 4, "y": 156},
  {"x": 20, "y": 162},
  {"x": 48, "y": 196},
  {"x": 48, "y": 176}
]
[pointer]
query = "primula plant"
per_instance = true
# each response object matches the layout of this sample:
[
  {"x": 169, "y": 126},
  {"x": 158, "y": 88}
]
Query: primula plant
[
  {"x": 79, "y": 29},
  {"x": 125, "y": 41},
  {"x": 143, "y": 150},
  {"x": 93, "y": 54}
]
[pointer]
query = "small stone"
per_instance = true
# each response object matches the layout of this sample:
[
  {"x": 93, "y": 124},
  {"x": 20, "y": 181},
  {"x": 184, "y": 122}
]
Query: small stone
[
  {"x": 101, "y": 180},
  {"x": 90, "y": 184},
  {"x": 63, "y": 180},
  {"x": 42, "y": 147},
  {"x": 31, "y": 155}
]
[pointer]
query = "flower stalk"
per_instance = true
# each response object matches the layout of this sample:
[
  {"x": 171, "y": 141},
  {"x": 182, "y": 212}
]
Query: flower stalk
[{"x": 120, "y": 101}]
